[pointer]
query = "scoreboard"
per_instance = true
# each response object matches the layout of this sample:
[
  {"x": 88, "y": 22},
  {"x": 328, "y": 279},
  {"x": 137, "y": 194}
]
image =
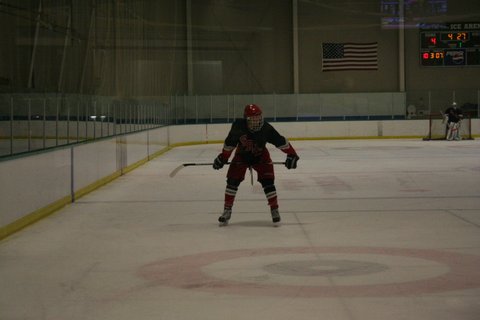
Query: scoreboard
[{"x": 450, "y": 45}]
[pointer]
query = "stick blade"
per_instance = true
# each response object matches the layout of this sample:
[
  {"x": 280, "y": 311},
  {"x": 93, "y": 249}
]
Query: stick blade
[{"x": 175, "y": 171}]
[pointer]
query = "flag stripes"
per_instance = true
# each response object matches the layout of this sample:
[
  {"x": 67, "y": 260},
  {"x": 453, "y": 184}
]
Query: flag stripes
[{"x": 349, "y": 56}]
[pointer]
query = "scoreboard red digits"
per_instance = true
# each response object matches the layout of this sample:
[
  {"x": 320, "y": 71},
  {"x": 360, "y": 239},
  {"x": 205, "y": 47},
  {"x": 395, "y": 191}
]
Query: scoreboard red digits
[
  {"x": 450, "y": 44},
  {"x": 452, "y": 36}
]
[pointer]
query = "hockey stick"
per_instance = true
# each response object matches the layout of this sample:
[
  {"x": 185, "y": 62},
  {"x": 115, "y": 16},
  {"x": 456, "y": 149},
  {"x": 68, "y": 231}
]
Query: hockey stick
[
  {"x": 444, "y": 116},
  {"x": 183, "y": 165}
]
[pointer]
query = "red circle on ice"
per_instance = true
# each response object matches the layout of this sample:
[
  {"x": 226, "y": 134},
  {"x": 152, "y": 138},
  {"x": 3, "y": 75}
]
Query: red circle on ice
[{"x": 186, "y": 272}]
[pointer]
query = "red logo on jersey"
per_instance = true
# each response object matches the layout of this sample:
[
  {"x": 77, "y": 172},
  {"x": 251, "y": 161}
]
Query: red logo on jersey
[{"x": 250, "y": 146}]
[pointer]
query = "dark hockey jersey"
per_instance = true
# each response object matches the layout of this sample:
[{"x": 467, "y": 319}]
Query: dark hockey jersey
[
  {"x": 454, "y": 114},
  {"x": 251, "y": 146}
]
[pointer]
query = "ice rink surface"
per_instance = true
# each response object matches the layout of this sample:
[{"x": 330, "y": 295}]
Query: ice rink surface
[{"x": 371, "y": 229}]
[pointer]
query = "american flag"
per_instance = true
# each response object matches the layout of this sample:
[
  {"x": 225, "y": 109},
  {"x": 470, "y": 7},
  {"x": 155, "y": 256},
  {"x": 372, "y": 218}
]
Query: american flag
[{"x": 350, "y": 56}]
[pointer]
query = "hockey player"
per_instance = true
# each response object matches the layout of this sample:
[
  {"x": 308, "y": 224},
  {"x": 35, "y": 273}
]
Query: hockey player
[
  {"x": 454, "y": 117},
  {"x": 249, "y": 137}
]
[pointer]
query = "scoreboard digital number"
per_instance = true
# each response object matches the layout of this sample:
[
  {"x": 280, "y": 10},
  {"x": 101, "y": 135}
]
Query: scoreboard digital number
[{"x": 450, "y": 45}]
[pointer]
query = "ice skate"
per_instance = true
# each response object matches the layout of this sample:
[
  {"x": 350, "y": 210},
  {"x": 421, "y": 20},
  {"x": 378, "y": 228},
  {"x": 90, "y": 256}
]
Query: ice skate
[
  {"x": 225, "y": 217},
  {"x": 275, "y": 216}
]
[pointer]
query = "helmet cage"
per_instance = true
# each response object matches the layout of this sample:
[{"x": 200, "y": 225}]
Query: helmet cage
[{"x": 254, "y": 123}]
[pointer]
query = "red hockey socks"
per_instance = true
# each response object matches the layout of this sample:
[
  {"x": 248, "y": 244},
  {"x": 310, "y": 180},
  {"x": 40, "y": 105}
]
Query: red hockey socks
[
  {"x": 271, "y": 194},
  {"x": 230, "y": 193}
]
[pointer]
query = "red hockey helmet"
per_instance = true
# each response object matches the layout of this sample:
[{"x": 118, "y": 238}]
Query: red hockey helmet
[{"x": 253, "y": 115}]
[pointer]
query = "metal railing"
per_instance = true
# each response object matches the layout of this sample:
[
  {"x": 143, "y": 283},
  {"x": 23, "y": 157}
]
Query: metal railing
[
  {"x": 289, "y": 107},
  {"x": 32, "y": 122},
  {"x": 35, "y": 121}
]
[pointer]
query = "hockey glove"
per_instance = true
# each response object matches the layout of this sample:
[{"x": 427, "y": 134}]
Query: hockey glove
[
  {"x": 219, "y": 162},
  {"x": 291, "y": 162}
]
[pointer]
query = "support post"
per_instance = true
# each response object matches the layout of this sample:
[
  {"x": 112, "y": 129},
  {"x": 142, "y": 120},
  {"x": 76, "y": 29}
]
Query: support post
[
  {"x": 190, "y": 83},
  {"x": 35, "y": 42},
  {"x": 401, "y": 46},
  {"x": 64, "y": 54},
  {"x": 296, "y": 85}
]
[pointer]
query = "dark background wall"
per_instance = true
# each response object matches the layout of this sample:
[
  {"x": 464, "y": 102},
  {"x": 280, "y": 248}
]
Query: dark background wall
[{"x": 130, "y": 48}]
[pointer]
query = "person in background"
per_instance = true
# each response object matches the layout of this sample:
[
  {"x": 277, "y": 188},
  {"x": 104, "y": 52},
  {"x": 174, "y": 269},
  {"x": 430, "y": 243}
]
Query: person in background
[{"x": 454, "y": 116}]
